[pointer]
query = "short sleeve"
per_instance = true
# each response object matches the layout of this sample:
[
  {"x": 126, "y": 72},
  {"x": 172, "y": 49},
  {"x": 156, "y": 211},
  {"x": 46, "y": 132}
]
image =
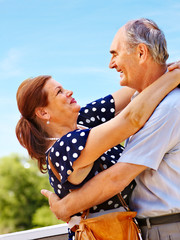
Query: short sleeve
[
  {"x": 66, "y": 150},
  {"x": 97, "y": 112},
  {"x": 149, "y": 146}
]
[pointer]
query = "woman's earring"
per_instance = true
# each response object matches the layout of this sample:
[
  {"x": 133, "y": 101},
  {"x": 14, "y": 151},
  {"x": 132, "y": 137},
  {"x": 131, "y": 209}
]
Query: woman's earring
[{"x": 48, "y": 122}]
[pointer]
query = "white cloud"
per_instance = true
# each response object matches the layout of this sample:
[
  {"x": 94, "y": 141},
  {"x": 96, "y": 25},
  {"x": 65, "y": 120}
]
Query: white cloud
[
  {"x": 9, "y": 66},
  {"x": 78, "y": 70}
]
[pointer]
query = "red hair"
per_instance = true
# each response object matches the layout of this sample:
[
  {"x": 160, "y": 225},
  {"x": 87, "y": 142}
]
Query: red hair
[{"x": 30, "y": 95}]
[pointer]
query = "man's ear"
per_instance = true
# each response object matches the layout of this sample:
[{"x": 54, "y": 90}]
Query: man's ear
[
  {"x": 42, "y": 113},
  {"x": 142, "y": 52}
]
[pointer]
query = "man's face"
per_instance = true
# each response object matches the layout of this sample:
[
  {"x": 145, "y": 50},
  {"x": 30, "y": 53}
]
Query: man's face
[{"x": 124, "y": 62}]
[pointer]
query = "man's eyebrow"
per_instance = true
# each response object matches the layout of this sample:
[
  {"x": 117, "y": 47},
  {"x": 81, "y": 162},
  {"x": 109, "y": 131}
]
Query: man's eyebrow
[{"x": 112, "y": 51}]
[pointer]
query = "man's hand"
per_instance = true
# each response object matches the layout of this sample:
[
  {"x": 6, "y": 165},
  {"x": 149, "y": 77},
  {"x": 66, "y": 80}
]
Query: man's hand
[
  {"x": 54, "y": 203},
  {"x": 174, "y": 65}
]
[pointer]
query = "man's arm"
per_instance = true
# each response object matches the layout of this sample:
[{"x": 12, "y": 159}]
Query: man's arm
[{"x": 99, "y": 189}]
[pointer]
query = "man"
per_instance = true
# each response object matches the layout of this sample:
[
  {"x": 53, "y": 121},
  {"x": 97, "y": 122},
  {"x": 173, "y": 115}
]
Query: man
[{"x": 152, "y": 155}]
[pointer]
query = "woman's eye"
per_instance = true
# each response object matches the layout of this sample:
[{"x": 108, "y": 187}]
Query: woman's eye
[{"x": 59, "y": 91}]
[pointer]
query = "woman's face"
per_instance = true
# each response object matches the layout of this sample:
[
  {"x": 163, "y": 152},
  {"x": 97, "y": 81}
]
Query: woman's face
[{"x": 62, "y": 106}]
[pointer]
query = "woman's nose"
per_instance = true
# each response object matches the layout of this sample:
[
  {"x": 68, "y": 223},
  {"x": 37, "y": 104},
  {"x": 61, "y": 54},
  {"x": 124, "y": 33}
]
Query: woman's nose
[{"x": 69, "y": 93}]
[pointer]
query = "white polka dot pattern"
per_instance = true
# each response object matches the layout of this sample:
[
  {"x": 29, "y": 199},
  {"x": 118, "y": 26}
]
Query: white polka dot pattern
[
  {"x": 57, "y": 164},
  {"x": 74, "y": 140},
  {"x": 82, "y": 134},
  {"x": 64, "y": 158},
  {"x": 67, "y": 149},
  {"x": 52, "y": 179},
  {"x": 103, "y": 109},
  {"x": 57, "y": 154},
  {"x": 75, "y": 155},
  {"x": 80, "y": 148}
]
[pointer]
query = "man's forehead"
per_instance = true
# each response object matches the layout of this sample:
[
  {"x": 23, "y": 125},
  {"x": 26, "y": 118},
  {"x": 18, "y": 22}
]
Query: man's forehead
[{"x": 118, "y": 40}]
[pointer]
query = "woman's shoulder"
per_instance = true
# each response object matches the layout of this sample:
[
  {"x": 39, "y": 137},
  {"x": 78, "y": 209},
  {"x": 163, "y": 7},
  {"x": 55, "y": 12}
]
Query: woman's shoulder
[
  {"x": 68, "y": 148},
  {"x": 107, "y": 101},
  {"x": 97, "y": 112},
  {"x": 74, "y": 138},
  {"x": 71, "y": 138}
]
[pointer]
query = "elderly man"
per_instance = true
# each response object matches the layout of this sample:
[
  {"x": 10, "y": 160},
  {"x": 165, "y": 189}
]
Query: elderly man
[{"x": 152, "y": 155}]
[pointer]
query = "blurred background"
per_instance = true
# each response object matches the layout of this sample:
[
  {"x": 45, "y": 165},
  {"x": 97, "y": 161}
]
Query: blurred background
[{"x": 69, "y": 40}]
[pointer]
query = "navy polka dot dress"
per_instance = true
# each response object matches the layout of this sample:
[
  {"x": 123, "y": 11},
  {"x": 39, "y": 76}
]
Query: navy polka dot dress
[{"x": 68, "y": 148}]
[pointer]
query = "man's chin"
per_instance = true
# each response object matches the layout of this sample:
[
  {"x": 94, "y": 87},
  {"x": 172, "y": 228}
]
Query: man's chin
[{"x": 123, "y": 82}]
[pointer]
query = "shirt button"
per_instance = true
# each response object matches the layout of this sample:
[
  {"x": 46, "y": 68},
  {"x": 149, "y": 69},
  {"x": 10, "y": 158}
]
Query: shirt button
[{"x": 69, "y": 172}]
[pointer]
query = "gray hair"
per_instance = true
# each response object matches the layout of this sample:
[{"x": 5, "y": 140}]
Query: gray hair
[{"x": 146, "y": 31}]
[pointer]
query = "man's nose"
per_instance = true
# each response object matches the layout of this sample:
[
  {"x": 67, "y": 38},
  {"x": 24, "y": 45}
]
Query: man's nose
[{"x": 112, "y": 64}]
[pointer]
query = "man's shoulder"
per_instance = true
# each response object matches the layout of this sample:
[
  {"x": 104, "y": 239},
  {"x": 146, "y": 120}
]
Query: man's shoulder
[{"x": 171, "y": 100}]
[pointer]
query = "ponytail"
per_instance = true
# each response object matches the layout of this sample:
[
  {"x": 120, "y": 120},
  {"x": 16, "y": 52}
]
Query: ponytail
[
  {"x": 31, "y": 138},
  {"x": 30, "y": 134}
]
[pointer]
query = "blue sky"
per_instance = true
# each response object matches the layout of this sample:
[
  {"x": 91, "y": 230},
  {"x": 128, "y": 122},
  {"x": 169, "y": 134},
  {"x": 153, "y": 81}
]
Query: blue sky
[{"x": 69, "y": 40}]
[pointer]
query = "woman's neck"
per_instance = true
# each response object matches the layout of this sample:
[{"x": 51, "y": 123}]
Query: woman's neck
[{"x": 59, "y": 131}]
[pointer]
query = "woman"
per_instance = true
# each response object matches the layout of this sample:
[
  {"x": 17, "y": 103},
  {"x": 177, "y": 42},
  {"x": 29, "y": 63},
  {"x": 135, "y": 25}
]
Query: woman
[{"x": 48, "y": 129}]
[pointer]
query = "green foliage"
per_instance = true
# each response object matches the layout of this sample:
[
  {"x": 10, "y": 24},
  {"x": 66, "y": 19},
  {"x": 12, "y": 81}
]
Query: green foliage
[
  {"x": 20, "y": 199},
  {"x": 43, "y": 216}
]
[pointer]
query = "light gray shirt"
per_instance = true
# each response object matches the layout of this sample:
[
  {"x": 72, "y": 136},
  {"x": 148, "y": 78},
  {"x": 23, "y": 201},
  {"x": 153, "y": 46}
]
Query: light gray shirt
[{"x": 157, "y": 146}]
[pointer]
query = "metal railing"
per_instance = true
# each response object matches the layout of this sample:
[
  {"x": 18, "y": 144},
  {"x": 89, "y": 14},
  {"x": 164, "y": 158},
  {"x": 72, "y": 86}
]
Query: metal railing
[{"x": 55, "y": 232}]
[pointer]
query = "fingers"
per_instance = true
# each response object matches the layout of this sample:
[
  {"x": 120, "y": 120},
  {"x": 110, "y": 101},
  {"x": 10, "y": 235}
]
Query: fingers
[
  {"x": 174, "y": 66},
  {"x": 54, "y": 203},
  {"x": 52, "y": 197},
  {"x": 46, "y": 193}
]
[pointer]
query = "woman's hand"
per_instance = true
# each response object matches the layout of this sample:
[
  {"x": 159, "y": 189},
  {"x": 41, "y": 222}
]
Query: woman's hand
[
  {"x": 174, "y": 65},
  {"x": 55, "y": 204}
]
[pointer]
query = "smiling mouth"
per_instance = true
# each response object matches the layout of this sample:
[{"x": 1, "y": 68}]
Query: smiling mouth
[
  {"x": 119, "y": 70},
  {"x": 121, "y": 74},
  {"x": 73, "y": 101}
]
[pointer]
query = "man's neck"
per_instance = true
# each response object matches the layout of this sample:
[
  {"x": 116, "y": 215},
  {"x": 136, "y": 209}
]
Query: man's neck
[{"x": 152, "y": 74}]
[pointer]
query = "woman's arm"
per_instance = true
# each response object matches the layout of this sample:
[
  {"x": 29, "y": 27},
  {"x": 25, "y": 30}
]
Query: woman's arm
[
  {"x": 128, "y": 122},
  {"x": 174, "y": 65},
  {"x": 118, "y": 176},
  {"x": 122, "y": 98}
]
